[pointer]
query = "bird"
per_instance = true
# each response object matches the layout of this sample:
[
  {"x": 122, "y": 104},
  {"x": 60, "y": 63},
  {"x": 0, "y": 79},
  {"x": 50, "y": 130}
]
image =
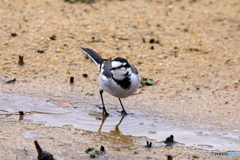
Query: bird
[
  {"x": 117, "y": 77},
  {"x": 42, "y": 155}
]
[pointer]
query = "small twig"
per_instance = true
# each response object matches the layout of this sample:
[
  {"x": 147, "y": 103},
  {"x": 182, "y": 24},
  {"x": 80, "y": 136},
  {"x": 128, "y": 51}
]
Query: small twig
[
  {"x": 10, "y": 81},
  {"x": 149, "y": 145},
  {"x": 125, "y": 39}
]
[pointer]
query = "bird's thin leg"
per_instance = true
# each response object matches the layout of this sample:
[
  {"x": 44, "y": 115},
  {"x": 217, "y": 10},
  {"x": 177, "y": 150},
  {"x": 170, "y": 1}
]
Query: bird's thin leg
[
  {"x": 123, "y": 112},
  {"x": 104, "y": 109}
]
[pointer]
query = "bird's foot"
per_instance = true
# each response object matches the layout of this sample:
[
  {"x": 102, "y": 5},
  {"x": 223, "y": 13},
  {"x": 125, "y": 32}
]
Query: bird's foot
[
  {"x": 105, "y": 114},
  {"x": 123, "y": 112}
]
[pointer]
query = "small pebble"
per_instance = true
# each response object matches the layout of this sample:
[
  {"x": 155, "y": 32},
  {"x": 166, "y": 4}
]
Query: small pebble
[
  {"x": 14, "y": 34},
  {"x": 40, "y": 51},
  {"x": 20, "y": 61},
  {"x": 92, "y": 156},
  {"x": 21, "y": 113},
  {"x": 85, "y": 75},
  {"x": 71, "y": 79},
  {"x": 169, "y": 157},
  {"x": 152, "y": 41},
  {"x": 102, "y": 149},
  {"x": 53, "y": 38}
]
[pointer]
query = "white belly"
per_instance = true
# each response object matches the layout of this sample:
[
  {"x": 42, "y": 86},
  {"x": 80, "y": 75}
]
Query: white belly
[{"x": 110, "y": 86}]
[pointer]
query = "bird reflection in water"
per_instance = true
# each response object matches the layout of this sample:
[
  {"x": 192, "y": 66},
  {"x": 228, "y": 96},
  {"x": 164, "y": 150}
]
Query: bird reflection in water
[{"x": 115, "y": 136}]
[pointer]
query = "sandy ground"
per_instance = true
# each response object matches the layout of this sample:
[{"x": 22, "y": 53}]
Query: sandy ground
[{"x": 195, "y": 59}]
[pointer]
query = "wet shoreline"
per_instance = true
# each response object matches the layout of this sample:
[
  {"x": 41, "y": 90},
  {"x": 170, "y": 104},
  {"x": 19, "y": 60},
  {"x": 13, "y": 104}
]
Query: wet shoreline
[{"x": 90, "y": 119}]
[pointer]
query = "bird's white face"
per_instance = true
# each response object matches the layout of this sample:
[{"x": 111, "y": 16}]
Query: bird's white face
[
  {"x": 119, "y": 65},
  {"x": 120, "y": 70}
]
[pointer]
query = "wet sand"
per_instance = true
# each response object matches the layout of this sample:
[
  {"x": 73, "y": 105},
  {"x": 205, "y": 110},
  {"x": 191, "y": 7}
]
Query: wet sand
[{"x": 195, "y": 59}]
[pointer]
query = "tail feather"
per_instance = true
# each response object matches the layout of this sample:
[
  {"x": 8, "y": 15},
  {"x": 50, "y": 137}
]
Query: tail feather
[
  {"x": 39, "y": 149},
  {"x": 94, "y": 56}
]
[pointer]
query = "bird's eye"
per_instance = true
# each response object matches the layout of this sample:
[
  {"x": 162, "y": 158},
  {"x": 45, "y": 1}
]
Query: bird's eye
[{"x": 125, "y": 65}]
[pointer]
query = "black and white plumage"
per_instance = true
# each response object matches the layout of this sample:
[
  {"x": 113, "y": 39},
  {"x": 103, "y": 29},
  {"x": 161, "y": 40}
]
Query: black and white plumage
[{"x": 117, "y": 77}]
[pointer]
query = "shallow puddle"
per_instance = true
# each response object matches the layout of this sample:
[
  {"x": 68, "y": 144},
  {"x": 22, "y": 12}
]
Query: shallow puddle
[{"x": 118, "y": 127}]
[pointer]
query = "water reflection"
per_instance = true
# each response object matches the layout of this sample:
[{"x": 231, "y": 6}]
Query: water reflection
[
  {"x": 115, "y": 136},
  {"x": 21, "y": 115},
  {"x": 20, "y": 118}
]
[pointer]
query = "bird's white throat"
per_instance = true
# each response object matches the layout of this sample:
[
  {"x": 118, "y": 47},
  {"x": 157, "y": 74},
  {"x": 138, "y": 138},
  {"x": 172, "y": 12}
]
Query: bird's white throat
[{"x": 121, "y": 73}]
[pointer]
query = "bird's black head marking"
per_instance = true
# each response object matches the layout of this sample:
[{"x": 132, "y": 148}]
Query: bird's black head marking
[
  {"x": 119, "y": 59},
  {"x": 124, "y": 63}
]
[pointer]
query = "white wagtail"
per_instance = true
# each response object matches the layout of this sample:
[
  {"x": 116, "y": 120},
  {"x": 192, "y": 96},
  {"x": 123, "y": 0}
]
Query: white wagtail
[{"x": 117, "y": 77}]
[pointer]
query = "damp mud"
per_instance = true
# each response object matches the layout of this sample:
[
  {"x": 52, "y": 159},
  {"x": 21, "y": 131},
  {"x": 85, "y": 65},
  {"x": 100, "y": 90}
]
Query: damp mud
[{"x": 189, "y": 47}]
